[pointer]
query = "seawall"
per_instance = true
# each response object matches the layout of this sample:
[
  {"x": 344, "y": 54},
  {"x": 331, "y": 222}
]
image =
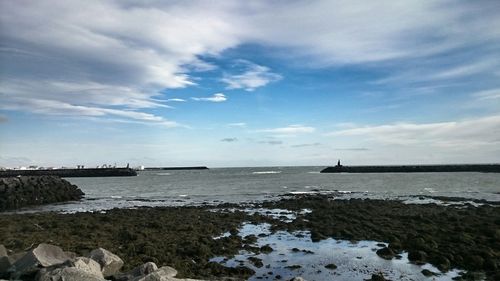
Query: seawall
[
  {"x": 67, "y": 173},
  {"x": 485, "y": 168},
  {"x": 17, "y": 192}
]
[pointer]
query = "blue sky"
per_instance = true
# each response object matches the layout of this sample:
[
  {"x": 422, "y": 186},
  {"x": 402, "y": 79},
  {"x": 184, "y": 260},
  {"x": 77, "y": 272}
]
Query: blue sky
[{"x": 249, "y": 84}]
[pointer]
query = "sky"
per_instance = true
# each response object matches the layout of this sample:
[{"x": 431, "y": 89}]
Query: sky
[{"x": 249, "y": 83}]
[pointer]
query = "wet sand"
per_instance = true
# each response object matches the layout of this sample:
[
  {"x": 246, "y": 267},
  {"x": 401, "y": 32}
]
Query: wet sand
[{"x": 464, "y": 237}]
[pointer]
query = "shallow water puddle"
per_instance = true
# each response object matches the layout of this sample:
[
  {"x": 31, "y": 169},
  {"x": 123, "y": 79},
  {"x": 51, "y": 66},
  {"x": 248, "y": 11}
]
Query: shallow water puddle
[{"x": 294, "y": 254}]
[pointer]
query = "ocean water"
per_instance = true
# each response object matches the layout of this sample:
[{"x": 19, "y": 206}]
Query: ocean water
[{"x": 175, "y": 188}]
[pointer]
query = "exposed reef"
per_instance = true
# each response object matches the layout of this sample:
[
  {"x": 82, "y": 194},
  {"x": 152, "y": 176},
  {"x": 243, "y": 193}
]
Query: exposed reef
[{"x": 464, "y": 237}]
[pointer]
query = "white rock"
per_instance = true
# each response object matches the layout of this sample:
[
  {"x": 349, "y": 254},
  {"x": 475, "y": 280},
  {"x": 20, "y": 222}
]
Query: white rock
[
  {"x": 110, "y": 263},
  {"x": 87, "y": 264},
  {"x": 165, "y": 273}
]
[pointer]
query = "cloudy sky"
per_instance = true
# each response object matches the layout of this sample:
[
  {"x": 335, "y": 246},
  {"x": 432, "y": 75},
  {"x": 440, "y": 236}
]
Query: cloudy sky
[{"x": 249, "y": 83}]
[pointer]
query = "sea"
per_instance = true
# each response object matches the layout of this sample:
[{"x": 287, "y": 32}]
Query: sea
[{"x": 254, "y": 184}]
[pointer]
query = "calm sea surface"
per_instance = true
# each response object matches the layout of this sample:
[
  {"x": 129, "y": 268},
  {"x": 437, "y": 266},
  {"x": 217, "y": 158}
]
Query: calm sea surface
[{"x": 167, "y": 188}]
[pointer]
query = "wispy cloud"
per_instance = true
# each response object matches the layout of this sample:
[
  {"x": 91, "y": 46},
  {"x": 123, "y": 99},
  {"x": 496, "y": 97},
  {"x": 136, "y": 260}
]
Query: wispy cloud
[
  {"x": 475, "y": 132},
  {"x": 229, "y": 140},
  {"x": 239, "y": 124},
  {"x": 306, "y": 145},
  {"x": 487, "y": 94},
  {"x": 271, "y": 142},
  {"x": 352, "y": 149},
  {"x": 291, "y": 129},
  {"x": 218, "y": 97},
  {"x": 53, "y": 107},
  {"x": 252, "y": 77},
  {"x": 176, "y": 100}
]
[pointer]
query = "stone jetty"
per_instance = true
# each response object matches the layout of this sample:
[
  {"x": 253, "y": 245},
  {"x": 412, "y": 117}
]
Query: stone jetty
[
  {"x": 17, "y": 192},
  {"x": 485, "y": 168},
  {"x": 67, "y": 173}
]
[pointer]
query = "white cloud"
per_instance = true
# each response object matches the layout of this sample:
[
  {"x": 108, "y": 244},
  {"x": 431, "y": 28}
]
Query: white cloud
[
  {"x": 252, "y": 77},
  {"x": 176, "y": 100},
  {"x": 487, "y": 94},
  {"x": 289, "y": 130},
  {"x": 468, "y": 133},
  {"x": 218, "y": 97}
]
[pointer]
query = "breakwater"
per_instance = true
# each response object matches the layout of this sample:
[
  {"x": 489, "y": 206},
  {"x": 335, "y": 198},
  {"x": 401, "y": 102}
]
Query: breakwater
[
  {"x": 177, "y": 168},
  {"x": 67, "y": 173},
  {"x": 485, "y": 168},
  {"x": 17, "y": 192}
]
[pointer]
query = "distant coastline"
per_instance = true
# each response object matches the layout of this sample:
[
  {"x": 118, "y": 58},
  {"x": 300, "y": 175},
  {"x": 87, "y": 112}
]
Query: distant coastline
[{"x": 484, "y": 168}]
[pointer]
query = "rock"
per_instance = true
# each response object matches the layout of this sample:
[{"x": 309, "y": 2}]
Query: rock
[
  {"x": 139, "y": 271},
  {"x": 87, "y": 264},
  {"x": 386, "y": 253},
  {"x": 266, "y": 249},
  {"x": 68, "y": 274},
  {"x": 164, "y": 273},
  {"x": 110, "y": 263},
  {"x": 44, "y": 255},
  {"x": 23, "y": 191},
  {"x": 3, "y": 251},
  {"x": 417, "y": 256},
  {"x": 4, "y": 261},
  {"x": 378, "y": 277},
  {"x": 428, "y": 273},
  {"x": 297, "y": 279},
  {"x": 331, "y": 266}
]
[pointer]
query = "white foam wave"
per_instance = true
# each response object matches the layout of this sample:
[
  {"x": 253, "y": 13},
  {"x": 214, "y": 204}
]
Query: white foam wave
[{"x": 266, "y": 172}]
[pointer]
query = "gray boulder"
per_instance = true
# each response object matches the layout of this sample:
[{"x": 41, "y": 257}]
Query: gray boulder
[
  {"x": 3, "y": 251},
  {"x": 4, "y": 261},
  {"x": 68, "y": 274},
  {"x": 44, "y": 255},
  {"x": 139, "y": 271},
  {"x": 110, "y": 263}
]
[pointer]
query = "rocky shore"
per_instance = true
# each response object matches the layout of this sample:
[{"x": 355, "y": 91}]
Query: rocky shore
[
  {"x": 464, "y": 237},
  {"x": 47, "y": 262},
  {"x": 17, "y": 192}
]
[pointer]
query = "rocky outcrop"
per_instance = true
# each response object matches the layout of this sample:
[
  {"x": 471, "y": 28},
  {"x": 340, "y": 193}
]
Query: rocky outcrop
[
  {"x": 50, "y": 263},
  {"x": 17, "y": 192}
]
